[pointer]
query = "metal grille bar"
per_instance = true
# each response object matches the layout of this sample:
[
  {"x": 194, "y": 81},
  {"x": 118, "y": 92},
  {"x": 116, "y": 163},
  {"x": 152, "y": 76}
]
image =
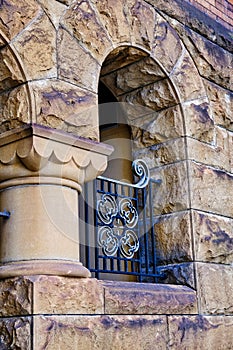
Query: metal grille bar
[{"x": 118, "y": 227}]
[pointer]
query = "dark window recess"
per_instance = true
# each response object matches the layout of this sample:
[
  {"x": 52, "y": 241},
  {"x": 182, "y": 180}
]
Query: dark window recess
[{"x": 117, "y": 230}]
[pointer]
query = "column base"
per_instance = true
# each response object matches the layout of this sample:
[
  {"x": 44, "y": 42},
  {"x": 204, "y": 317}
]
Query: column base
[{"x": 44, "y": 267}]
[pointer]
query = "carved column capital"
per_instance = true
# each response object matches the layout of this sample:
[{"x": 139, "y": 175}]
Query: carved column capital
[
  {"x": 37, "y": 154},
  {"x": 41, "y": 173}
]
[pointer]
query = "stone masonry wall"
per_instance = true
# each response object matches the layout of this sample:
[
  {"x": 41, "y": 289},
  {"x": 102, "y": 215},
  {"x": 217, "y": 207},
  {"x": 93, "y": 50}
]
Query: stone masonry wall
[
  {"x": 174, "y": 63},
  {"x": 43, "y": 312},
  {"x": 220, "y": 10}
]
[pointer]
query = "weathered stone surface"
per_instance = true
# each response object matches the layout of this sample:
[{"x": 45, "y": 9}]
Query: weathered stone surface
[
  {"x": 15, "y": 107},
  {"x": 211, "y": 189},
  {"x": 10, "y": 72},
  {"x": 163, "y": 153},
  {"x": 216, "y": 155},
  {"x": 213, "y": 238},
  {"x": 81, "y": 21},
  {"x": 54, "y": 9},
  {"x": 173, "y": 238},
  {"x": 37, "y": 49},
  {"x": 155, "y": 128},
  {"x": 215, "y": 288},
  {"x": 221, "y": 103},
  {"x": 15, "y": 333},
  {"x": 200, "y": 332},
  {"x": 15, "y": 297},
  {"x": 167, "y": 47},
  {"x": 113, "y": 16},
  {"x": 186, "y": 78},
  {"x": 142, "y": 18},
  {"x": 146, "y": 298},
  {"x": 16, "y": 15},
  {"x": 62, "y": 106},
  {"x": 133, "y": 76},
  {"x": 156, "y": 96},
  {"x": 213, "y": 62},
  {"x": 198, "y": 120},
  {"x": 120, "y": 57},
  {"x": 65, "y": 295},
  {"x": 186, "y": 13},
  {"x": 171, "y": 194},
  {"x": 231, "y": 151},
  {"x": 70, "y": 55},
  {"x": 65, "y": 2},
  {"x": 182, "y": 274},
  {"x": 100, "y": 332}
]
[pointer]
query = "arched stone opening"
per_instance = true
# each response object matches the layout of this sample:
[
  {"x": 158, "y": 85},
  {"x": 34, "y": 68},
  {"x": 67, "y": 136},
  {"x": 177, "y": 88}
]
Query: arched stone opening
[{"x": 153, "y": 112}]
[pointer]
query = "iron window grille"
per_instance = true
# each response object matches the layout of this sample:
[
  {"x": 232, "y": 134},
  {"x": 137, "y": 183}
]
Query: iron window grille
[{"x": 117, "y": 227}]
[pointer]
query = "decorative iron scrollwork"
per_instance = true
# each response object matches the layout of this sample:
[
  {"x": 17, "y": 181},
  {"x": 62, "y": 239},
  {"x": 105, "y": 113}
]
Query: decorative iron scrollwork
[
  {"x": 128, "y": 212},
  {"x": 120, "y": 236},
  {"x": 118, "y": 216},
  {"x": 107, "y": 209},
  {"x": 140, "y": 169}
]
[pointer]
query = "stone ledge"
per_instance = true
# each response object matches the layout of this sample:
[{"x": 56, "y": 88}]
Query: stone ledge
[
  {"x": 146, "y": 298},
  {"x": 56, "y": 295}
]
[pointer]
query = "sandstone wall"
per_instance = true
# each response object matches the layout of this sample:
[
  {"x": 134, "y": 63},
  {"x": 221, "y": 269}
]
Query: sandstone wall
[
  {"x": 171, "y": 65},
  {"x": 221, "y": 11}
]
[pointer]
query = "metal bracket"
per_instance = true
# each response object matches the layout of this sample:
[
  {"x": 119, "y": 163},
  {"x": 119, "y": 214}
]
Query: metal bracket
[{"x": 5, "y": 214}]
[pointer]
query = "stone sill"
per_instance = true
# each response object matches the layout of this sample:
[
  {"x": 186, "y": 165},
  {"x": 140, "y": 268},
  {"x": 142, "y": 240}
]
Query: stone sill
[{"x": 56, "y": 295}]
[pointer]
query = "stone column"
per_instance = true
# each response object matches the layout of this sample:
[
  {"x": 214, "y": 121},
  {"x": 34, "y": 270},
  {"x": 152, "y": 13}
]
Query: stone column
[{"x": 41, "y": 173}]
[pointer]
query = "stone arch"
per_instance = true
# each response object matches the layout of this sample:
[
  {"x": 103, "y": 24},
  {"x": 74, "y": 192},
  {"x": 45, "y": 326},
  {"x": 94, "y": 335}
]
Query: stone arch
[
  {"x": 95, "y": 29},
  {"x": 71, "y": 47},
  {"x": 15, "y": 96}
]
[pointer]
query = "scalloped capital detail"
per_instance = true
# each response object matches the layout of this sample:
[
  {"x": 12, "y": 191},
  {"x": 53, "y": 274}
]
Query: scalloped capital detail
[{"x": 36, "y": 151}]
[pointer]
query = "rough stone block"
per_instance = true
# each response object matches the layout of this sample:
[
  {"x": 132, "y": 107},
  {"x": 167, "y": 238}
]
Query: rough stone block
[
  {"x": 145, "y": 298},
  {"x": 182, "y": 274},
  {"x": 54, "y": 10},
  {"x": 16, "y": 297},
  {"x": 221, "y": 102},
  {"x": 171, "y": 194},
  {"x": 198, "y": 120},
  {"x": 156, "y": 96},
  {"x": 16, "y": 15},
  {"x": 155, "y": 128},
  {"x": 82, "y": 16},
  {"x": 112, "y": 16},
  {"x": 186, "y": 78},
  {"x": 165, "y": 38},
  {"x": 133, "y": 76},
  {"x": 142, "y": 18},
  {"x": 37, "y": 49},
  {"x": 65, "y": 107},
  {"x": 200, "y": 332},
  {"x": 121, "y": 57},
  {"x": 15, "y": 333},
  {"x": 11, "y": 74},
  {"x": 212, "y": 61},
  {"x": 75, "y": 70},
  {"x": 215, "y": 288},
  {"x": 231, "y": 152},
  {"x": 15, "y": 108},
  {"x": 211, "y": 189},
  {"x": 217, "y": 155},
  {"x": 65, "y": 295},
  {"x": 100, "y": 332},
  {"x": 213, "y": 238},
  {"x": 173, "y": 238},
  {"x": 162, "y": 153}
]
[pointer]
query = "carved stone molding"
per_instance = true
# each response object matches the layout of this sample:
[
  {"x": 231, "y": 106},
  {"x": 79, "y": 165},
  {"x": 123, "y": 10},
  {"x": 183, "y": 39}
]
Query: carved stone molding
[{"x": 36, "y": 154}]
